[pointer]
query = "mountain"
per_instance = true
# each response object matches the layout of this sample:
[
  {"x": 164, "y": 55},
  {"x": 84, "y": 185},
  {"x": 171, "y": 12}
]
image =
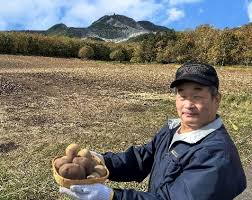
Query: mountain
[
  {"x": 152, "y": 27},
  {"x": 109, "y": 27},
  {"x": 62, "y": 29}
]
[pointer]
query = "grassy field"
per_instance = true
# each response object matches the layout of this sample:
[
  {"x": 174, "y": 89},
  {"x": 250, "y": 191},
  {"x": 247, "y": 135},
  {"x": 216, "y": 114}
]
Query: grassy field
[{"x": 48, "y": 103}]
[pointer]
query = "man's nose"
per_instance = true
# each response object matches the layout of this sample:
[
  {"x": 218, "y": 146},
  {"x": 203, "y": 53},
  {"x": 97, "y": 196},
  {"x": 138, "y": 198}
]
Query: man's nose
[{"x": 188, "y": 104}]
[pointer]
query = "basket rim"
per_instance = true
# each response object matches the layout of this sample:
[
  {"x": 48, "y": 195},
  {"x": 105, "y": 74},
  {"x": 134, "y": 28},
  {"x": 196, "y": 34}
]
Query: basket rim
[{"x": 67, "y": 182}]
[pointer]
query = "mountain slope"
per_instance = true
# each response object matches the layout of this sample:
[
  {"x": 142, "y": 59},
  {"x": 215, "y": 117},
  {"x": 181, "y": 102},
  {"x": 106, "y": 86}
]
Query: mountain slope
[
  {"x": 109, "y": 27},
  {"x": 115, "y": 26},
  {"x": 152, "y": 27}
]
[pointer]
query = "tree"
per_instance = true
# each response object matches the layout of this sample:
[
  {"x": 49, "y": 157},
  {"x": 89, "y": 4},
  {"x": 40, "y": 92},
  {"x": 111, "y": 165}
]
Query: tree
[
  {"x": 101, "y": 51},
  {"x": 167, "y": 55},
  {"x": 206, "y": 37},
  {"x": 86, "y": 52},
  {"x": 182, "y": 49},
  {"x": 244, "y": 35},
  {"x": 117, "y": 55},
  {"x": 148, "y": 49},
  {"x": 7, "y": 43},
  {"x": 225, "y": 49}
]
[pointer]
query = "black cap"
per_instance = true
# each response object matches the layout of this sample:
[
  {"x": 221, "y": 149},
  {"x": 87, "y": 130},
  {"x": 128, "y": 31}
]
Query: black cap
[{"x": 201, "y": 73}]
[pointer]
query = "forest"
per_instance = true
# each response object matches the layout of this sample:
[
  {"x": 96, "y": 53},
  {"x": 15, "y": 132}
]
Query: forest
[{"x": 203, "y": 44}]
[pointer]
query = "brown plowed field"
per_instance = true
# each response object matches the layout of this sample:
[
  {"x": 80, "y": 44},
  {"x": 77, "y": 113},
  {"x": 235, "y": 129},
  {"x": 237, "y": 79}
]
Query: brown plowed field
[{"x": 48, "y": 103}]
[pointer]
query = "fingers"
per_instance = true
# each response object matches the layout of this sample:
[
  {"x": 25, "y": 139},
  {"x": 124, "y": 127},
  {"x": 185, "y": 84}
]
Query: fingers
[
  {"x": 91, "y": 192},
  {"x": 67, "y": 191},
  {"x": 80, "y": 189}
]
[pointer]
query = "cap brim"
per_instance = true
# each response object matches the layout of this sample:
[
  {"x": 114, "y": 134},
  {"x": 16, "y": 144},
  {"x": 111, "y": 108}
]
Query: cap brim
[{"x": 190, "y": 79}]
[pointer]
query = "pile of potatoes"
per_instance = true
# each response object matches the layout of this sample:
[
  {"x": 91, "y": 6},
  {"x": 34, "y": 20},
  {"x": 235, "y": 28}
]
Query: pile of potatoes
[{"x": 79, "y": 164}]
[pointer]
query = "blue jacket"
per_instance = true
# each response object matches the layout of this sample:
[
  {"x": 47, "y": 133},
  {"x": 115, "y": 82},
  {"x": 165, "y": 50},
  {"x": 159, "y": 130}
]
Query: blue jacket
[{"x": 203, "y": 166}]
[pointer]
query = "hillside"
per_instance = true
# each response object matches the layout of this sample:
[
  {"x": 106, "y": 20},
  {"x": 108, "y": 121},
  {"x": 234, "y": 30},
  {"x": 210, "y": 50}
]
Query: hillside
[{"x": 109, "y": 27}]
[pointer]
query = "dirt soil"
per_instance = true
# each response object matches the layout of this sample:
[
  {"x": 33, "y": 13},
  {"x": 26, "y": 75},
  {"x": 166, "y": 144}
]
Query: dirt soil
[
  {"x": 48, "y": 103},
  {"x": 247, "y": 194}
]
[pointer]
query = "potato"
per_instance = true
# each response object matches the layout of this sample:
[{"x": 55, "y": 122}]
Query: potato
[
  {"x": 61, "y": 161},
  {"x": 72, "y": 150},
  {"x": 95, "y": 161},
  {"x": 90, "y": 167},
  {"x": 93, "y": 175},
  {"x": 86, "y": 163},
  {"x": 84, "y": 153},
  {"x": 101, "y": 170},
  {"x": 72, "y": 171},
  {"x": 83, "y": 161},
  {"x": 90, "y": 170}
]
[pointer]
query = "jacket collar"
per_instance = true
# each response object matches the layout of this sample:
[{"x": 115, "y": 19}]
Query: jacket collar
[{"x": 194, "y": 136}]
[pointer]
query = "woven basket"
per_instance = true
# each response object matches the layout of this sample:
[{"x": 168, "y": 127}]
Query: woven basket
[{"x": 68, "y": 182}]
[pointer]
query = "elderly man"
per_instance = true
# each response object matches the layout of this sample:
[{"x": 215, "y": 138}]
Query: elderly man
[{"x": 192, "y": 157}]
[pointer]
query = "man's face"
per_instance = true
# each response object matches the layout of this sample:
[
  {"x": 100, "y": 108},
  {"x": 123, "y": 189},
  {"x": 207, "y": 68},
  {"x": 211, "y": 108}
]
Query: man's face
[{"x": 195, "y": 105}]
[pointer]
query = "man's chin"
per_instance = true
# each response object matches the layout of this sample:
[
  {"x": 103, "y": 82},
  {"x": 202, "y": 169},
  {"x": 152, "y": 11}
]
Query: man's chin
[
  {"x": 192, "y": 122},
  {"x": 192, "y": 118}
]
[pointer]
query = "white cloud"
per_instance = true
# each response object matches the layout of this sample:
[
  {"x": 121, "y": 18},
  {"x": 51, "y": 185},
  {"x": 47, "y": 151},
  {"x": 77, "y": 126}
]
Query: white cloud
[
  {"x": 177, "y": 2},
  {"x": 250, "y": 11},
  {"x": 79, "y": 14},
  {"x": 30, "y": 14},
  {"x": 85, "y": 12},
  {"x": 42, "y": 14},
  {"x": 174, "y": 14},
  {"x": 137, "y": 9},
  {"x": 38, "y": 14}
]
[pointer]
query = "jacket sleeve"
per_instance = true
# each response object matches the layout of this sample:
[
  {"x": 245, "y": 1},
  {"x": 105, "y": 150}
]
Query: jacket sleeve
[
  {"x": 135, "y": 163},
  {"x": 204, "y": 178}
]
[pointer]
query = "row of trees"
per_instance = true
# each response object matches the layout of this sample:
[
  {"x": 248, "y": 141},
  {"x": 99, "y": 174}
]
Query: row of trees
[
  {"x": 54, "y": 46},
  {"x": 204, "y": 44}
]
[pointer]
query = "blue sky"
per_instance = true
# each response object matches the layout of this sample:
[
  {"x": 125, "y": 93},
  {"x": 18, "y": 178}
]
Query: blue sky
[{"x": 177, "y": 14}]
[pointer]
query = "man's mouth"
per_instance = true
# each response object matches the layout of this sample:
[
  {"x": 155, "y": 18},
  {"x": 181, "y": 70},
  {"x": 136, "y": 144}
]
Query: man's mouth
[{"x": 189, "y": 114}]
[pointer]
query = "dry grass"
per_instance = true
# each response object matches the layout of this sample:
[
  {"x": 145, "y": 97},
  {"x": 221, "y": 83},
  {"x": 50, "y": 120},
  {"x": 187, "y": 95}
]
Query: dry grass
[{"x": 47, "y": 103}]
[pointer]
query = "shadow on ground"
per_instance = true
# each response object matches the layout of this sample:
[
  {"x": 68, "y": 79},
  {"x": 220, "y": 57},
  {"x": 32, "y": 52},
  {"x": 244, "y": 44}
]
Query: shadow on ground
[{"x": 247, "y": 194}]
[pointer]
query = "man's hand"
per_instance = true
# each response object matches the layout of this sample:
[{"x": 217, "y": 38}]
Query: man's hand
[{"x": 88, "y": 192}]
